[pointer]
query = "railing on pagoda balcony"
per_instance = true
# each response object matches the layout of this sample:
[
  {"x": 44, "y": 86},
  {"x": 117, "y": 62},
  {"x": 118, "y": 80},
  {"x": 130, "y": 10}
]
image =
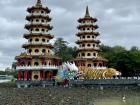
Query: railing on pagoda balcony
[
  {"x": 36, "y": 43},
  {"x": 42, "y": 67}
]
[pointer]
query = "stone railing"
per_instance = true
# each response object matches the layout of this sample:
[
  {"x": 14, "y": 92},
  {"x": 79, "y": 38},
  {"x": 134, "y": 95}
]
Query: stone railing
[{"x": 47, "y": 67}]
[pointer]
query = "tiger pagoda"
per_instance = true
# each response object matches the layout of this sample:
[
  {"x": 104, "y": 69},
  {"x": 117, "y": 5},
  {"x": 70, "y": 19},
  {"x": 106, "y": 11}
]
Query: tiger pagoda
[
  {"x": 38, "y": 62},
  {"x": 88, "y": 50}
]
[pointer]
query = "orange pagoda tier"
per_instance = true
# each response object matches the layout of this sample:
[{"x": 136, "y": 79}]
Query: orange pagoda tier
[
  {"x": 88, "y": 50},
  {"x": 38, "y": 62}
]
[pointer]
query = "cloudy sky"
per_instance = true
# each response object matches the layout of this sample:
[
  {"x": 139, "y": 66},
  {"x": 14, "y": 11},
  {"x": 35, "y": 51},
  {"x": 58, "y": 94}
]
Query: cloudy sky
[{"x": 119, "y": 22}]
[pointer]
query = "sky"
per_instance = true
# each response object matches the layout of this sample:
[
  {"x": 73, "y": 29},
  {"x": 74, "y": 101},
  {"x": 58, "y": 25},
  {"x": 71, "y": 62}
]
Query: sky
[{"x": 118, "y": 21}]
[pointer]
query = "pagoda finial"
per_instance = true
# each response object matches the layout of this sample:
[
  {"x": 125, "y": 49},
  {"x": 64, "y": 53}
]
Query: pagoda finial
[
  {"x": 38, "y": 3},
  {"x": 87, "y": 12}
]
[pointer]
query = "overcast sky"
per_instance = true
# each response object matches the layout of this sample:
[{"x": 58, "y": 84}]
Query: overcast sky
[{"x": 119, "y": 22}]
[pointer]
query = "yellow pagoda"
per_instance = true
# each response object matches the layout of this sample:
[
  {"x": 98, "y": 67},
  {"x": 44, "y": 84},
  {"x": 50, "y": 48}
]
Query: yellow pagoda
[
  {"x": 88, "y": 45},
  {"x": 38, "y": 62}
]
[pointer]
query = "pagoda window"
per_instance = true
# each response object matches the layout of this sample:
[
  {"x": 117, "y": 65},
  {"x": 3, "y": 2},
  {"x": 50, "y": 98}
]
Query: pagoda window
[
  {"x": 89, "y": 65},
  {"x": 88, "y": 45},
  {"x": 36, "y": 29},
  {"x": 94, "y": 54},
  {"x": 100, "y": 65},
  {"x": 42, "y": 20},
  {"x": 47, "y": 40},
  {"x": 29, "y": 63},
  {"x": 37, "y": 20},
  {"x": 45, "y": 63},
  {"x": 43, "y": 40},
  {"x": 43, "y": 30},
  {"x": 30, "y": 50},
  {"x": 83, "y": 29},
  {"x": 48, "y": 51},
  {"x": 42, "y": 11},
  {"x": 43, "y": 50},
  {"x": 93, "y": 37},
  {"x": 83, "y": 54},
  {"x": 88, "y": 29},
  {"x": 95, "y": 64},
  {"x": 36, "y": 64},
  {"x": 79, "y": 55},
  {"x": 36, "y": 50},
  {"x": 37, "y": 40},
  {"x": 30, "y": 40},
  {"x": 83, "y": 45},
  {"x": 88, "y": 36},
  {"x": 93, "y": 45},
  {"x": 23, "y": 63},
  {"x": 88, "y": 54},
  {"x": 83, "y": 37}
]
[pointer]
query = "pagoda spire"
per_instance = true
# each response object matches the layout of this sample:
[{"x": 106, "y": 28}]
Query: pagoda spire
[
  {"x": 87, "y": 12},
  {"x": 38, "y": 3}
]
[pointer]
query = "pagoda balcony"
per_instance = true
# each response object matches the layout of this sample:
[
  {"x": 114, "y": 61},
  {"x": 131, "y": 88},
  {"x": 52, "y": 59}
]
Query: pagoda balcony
[
  {"x": 87, "y": 24},
  {"x": 96, "y": 48},
  {"x": 37, "y": 43},
  {"x": 38, "y": 14},
  {"x": 42, "y": 67}
]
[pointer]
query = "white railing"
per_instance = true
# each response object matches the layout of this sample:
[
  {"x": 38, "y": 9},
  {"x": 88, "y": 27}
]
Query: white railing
[
  {"x": 96, "y": 48},
  {"x": 47, "y": 67},
  {"x": 38, "y": 14}
]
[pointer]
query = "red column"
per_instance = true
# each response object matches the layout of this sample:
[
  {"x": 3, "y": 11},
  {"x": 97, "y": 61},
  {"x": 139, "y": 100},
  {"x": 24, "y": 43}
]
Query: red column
[
  {"x": 19, "y": 75},
  {"x": 43, "y": 75},
  {"x": 26, "y": 75}
]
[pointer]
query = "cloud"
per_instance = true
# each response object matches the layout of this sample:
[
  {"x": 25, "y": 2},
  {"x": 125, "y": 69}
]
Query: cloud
[{"x": 118, "y": 21}]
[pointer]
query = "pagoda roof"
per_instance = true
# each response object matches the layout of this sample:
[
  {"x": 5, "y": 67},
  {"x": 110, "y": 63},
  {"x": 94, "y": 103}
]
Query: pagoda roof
[
  {"x": 28, "y": 26},
  {"x": 30, "y": 35},
  {"x": 43, "y": 56},
  {"x": 37, "y": 45},
  {"x": 87, "y": 41},
  {"x": 87, "y": 33},
  {"x": 90, "y": 26},
  {"x": 87, "y": 16},
  {"x": 32, "y": 16}
]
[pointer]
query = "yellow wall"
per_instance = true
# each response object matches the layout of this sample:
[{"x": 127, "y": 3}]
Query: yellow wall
[{"x": 36, "y": 73}]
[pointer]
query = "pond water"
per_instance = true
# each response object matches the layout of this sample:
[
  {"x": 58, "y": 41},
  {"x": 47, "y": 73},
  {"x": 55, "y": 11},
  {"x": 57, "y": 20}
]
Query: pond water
[{"x": 133, "y": 100}]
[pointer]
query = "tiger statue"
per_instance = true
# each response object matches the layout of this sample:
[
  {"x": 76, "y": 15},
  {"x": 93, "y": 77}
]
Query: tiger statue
[{"x": 91, "y": 73}]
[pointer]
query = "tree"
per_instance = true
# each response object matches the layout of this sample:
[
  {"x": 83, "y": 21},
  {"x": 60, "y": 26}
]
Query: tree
[{"x": 62, "y": 49}]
